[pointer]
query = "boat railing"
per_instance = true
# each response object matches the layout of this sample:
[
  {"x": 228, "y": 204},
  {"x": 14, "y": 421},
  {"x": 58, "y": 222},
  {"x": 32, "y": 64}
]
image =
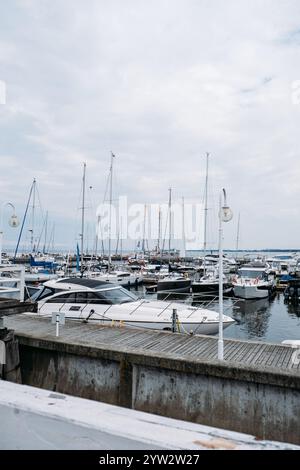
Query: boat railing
[
  {"x": 202, "y": 304},
  {"x": 18, "y": 273}
]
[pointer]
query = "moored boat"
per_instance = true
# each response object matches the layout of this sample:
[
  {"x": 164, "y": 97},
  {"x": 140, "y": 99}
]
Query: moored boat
[
  {"x": 102, "y": 303},
  {"x": 252, "y": 282}
]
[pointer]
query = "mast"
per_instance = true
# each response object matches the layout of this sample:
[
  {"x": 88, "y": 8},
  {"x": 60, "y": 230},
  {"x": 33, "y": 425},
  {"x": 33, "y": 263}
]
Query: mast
[
  {"x": 159, "y": 229},
  {"x": 182, "y": 254},
  {"x": 96, "y": 239},
  {"x": 46, "y": 233},
  {"x": 23, "y": 221},
  {"x": 238, "y": 233},
  {"x": 53, "y": 238},
  {"x": 110, "y": 204},
  {"x": 170, "y": 222},
  {"x": 144, "y": 230},
  {"x": 117, "y": 244},
  {"x": 32, "y": 217},
  {"x": 121, "y": 241},
  {"x": 205, "y": 214},
  {"x": 87, "y": 237},
  {"x": 82, "y": 216}
]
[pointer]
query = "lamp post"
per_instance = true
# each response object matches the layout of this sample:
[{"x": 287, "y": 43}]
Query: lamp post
[
  {"x": 12, "y": 222},
  {"x": 225, "y": 215}
]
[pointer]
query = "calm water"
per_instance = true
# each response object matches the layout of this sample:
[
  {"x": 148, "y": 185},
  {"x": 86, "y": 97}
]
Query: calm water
[
  {"x": 258, "y": 320},
  {"x": 264, "y": 320}
]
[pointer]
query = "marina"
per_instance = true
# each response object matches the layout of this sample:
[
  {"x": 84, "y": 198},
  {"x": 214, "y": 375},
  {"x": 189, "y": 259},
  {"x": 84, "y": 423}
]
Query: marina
[
  {"x": 149, "y": 229},
  {"x": 152, "y": 350},
  {"x": 275, "y": 317}
]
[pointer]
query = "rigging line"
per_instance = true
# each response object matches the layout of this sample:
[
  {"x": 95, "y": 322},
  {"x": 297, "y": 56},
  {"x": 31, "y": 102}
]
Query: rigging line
[
  {"x": 39, "y": 201},
  {"x": 91, "y": 198},
  {"x": 106, "y": 187},
  {"x": 99, "y": 218},
  {"x": 41, "y": 233},
  {"x": 75, "y": 222},
  {"x": 168, "y": 224},
  {"x": 23, "y": 222},
  {"x": 44, "y": 217},
  {"x": 51, "y": 236},
  {"x": 165, "y": 233}
]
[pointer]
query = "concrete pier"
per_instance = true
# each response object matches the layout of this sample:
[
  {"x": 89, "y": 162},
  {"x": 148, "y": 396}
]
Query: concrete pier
[
  {"x": 63, "y": 422},
  {"x": 256, "y": 390},
  {"x": 9, "y": 356}
]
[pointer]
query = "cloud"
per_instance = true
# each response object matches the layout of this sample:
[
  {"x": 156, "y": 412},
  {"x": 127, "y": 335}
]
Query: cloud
[{"x": 159, "y": 83}]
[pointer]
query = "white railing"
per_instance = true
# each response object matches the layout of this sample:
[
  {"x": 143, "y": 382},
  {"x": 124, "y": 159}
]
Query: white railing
[{"x": 12, "y": 275}]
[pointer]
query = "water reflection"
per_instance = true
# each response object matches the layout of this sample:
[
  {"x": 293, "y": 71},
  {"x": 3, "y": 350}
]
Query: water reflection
[
  {"x": 260, "y": 320},
  {"x": 252, "y": 316},
  {"x": 293, "y": 308},
  {"x": 172, "y": 296},
  {"x": 252, "y": 306}
]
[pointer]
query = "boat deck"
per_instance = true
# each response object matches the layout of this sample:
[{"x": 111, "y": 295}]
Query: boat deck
[{"x": 255, "y": 354}]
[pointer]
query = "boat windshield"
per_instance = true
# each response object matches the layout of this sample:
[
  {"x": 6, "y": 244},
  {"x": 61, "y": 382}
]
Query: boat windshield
[
  {"x": 251, "y": 274},
  {"x": 42, "y": 294},
  {"x": 117, "y": 296}
]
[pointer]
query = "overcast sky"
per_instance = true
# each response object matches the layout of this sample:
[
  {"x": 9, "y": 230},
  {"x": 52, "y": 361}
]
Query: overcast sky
[{"x": 159, "y": 83}]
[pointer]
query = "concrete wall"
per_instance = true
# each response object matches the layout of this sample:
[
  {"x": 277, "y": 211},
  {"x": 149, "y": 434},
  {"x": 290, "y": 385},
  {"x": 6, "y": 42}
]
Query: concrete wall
[
  {"x": 267, "y": 411},
  {"x": 9, "y": 360},
  {"x": 32, "y": 418},
  {"x": 263, "y": 402}
]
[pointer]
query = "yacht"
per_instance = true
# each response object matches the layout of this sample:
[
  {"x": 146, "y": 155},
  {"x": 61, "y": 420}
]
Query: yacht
[
  {"x": 252, "y": 282},
  {"x": 174, "y": 283},
  {"x": 209, "y": 283},
  {"x": 122, "y": 278},
  {"x": 103, "y": 303}
]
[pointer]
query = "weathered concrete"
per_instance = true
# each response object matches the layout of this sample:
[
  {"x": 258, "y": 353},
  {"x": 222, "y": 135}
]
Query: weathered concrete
[
  {"x": 242, "y": 405},
  {"x": 97, "y": 363},
  {"x": 10, "y": 369},
  {"x": 79, "y": 375},
  {"x": 38, "y": 419},
  {"x": 13, "y": 307}
]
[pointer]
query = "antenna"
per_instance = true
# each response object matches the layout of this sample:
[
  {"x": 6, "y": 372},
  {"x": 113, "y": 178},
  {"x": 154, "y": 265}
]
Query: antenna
[
  {"x": 82, "y": 215},
  {"x": 110, "y": 204},
  {"x": 238, "y": 233},
  {"x": 205, "y": 213},
  {"x": 170, "y": 222}
]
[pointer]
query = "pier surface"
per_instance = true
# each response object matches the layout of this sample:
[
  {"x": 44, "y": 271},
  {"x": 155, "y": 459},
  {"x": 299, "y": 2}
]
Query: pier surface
[{"x": 260, "y": 355}]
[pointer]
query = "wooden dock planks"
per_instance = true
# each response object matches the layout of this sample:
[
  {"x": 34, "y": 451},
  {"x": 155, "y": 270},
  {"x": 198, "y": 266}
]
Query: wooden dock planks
[{"x": 274, "y": 356}]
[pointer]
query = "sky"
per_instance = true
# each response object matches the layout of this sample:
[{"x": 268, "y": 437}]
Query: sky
[{"x": 159, "y": 83}]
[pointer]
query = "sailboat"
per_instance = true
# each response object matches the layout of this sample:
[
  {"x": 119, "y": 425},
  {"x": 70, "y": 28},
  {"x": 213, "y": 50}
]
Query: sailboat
[
  {"x": 115, "y": 276},
  {"x": 209, "y": 282},
  {"x": 174, "y": 283}
]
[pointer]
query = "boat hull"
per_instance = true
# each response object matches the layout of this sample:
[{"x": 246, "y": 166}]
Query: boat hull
[
  {"x": 188, "y": 328},
  {"x": 201, "y": 287},
  {"x": 201, "y": 328},
  {"x": 179, "y": 285},
  {"x": 250, "y": 292}
]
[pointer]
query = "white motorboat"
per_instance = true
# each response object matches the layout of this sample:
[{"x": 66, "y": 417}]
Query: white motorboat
[
  {"x": 39, "y": 276},
  {"x": 252, "y": 282},
  {"x": 122, "y": 278},
  {"x": 103, "y": 303}
]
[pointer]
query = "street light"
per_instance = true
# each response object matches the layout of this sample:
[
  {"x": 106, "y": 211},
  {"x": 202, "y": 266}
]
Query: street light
[
  {"x": 13, "y": 221},
  {"x": 225, "y": 215}
]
